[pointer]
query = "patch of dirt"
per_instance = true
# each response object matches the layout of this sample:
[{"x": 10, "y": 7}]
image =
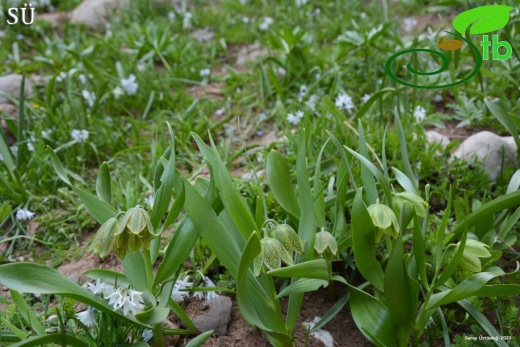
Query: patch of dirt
[
  {"x": 461, "y": 133},
  {"x": 210, "y": 90},
  {"x": 315, "y": 304}
]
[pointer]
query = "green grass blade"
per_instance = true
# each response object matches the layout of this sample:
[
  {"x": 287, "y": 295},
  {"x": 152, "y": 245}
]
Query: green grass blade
[
  {"x": 316, "y": 268},
  {"x": 302, "y": 286},
  {"x": 104, "y": 184},
  {"x": 60, "y": 339},
  {"x": 26, "y": 312},
  {"x": 199, "y": 340},
  {"x": 369, "y": 183},
  {"x": 280, "y": 183}
]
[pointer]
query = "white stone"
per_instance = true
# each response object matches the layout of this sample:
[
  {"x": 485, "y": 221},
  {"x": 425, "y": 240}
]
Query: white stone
[
  {"x": 10, "y": 85},
  {"x": 435, "y": 137},
  {"x": 490, "y": 150},
  {"x": 94, "y": 13}
]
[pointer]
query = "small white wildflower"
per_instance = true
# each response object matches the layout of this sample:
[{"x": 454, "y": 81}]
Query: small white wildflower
[
  {"x": 108, "y": 32},
  {"x": 133, "y": 302},
  {"x": 171, "y": 16},
  {"x": 90, "y": 97},
  {"x": 311, "y": 103},
  {"x": 365, "y": 97},
  {"x": 419, "y": 114},
  {"x": 20, "y": 37},
  {"x": 409, "y": 24},
  {"x": 61, "y": 77},
  {"x": 116, "y": 298},
  {"x": 87, "y": 317},
  {"x": 230, "y": 130},
  {"x": 181, "y": 284},
  {"x": 147, "y": 335},
  {"x": 129, "y": 85},
  {"x": 242, "y": 2},
  {"x": 245, "y": 19},
  {"x": 344, "y": 102},
  {"x": 30, "y": 147},
  {"x": 14, "y": 150},
  {"x": 204, "y": 73},
  {"x": 429, "y": 323},
  {"x": 118, "y": 92},
  {"x": 24, "y": 214},
  {"x": 149, "y": 200},
  {"x": 220, "y": 111},
  {"x": 302, "y": 92},
  {"x": 82, "y": 79},
  {"x": 262, "y": 116},
  {"x": 2, "y": 33},
  {"x": 300, "y": 3},
  {"x": 266, "y": 23},
  {"x": 363, "y": 15},
  {"x": 46, "y": 134},
  {"x": 317, "y": 76},
  {"x": 79, "y": 136},
  {"x": 437, "y": 98},
  {"x": 1, "y": 157},
  {"x": 186, "y": 20},
  {"x": 210, "y": 296},
  {"x": 295, "y": 119},
  {"x": 141, "y": 66}
]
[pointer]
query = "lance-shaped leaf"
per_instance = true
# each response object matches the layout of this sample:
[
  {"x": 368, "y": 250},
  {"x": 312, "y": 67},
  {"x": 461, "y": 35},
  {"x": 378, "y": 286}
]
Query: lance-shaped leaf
[{"x": 483, "y": 19}]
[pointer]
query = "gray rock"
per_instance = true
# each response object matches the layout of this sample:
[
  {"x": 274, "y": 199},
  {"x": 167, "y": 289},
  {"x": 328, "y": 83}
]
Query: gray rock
[
  {"x": 203, "y": 35},
  {"x": 216, "y": 317},
  {"x": 94, "y": 13},
  {"x": 435, "y": 137},
  {"x": 490, "y": 150},
  {"x": 10, "y": 85}
]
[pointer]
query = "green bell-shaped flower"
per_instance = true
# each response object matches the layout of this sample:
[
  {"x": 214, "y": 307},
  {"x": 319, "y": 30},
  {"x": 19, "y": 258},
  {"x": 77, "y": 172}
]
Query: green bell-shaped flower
[
  {"x": 271, "y": 255},
  {"x": 105, "y": 237},
  {"x": 288, "y": 238},
  {"x": 135, "y": 231},
  {"x": 470, "y": 256},
  {"x": 416, "y": 201},
  {"x": 325, "y": 244},
  {"x": 384, "y": 219}
]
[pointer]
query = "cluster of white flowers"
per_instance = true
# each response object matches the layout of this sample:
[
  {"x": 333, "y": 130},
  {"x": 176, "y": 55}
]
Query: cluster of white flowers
[
  {"x": 300, "y": 3},
  {"x": 82, "y": 79},
  {"x": 419, "y": 114},
  {"x": 79, "y": 136},
  {"x": 24, "y": 214},
  {"x": 266, "y": 23},
  {"x": 295, "y": 119},
  {"x": 344, "y": 102},
  {"x": 311, "y": 103},
  {"x": 127, "y": 300},
  {"x": 129, "y": 85},
  {"x": 90, "y": 97},
  {"x": 179, "y": 290}
]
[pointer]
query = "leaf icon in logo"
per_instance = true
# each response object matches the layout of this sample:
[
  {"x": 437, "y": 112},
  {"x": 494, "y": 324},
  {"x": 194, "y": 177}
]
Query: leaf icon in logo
[
  {"x": 482, "y": 19},
  {"x": 451, "y": 45}
]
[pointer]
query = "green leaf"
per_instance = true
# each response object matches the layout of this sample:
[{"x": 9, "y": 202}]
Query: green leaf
[
  {"x": 58, "y": 167},
  {"x": 499, "y": 110},
  {"x": 60, "y": 339},
  {"x": 397, "y": 293},
  {"x": 108, "y": 276},
  {"x": 369, "y": 183},
  {"x": 26, "y": 312},
  {"x": 363, "y": 243},
  {"x": 152, "y": 316},
  {"x": 514, "y": 183},
  {"x": 135, "y": 270},
  {"x": 317, "y": 268},
  {"x": 482, "y": 321},
  {"x": 373, "y": 319},
  {"x": 405, "y": 182},
  {"x": 280, "y": 183},
  {"x": 332, "y": 312},
  {"x": 302, "y": 285},
  {"x": 483, "y": 19},
  {"x": 199, "y": 340},
  {"x": 452, "y": 265},
  {"x": 104, "y": 184},
  {"x": 464, "y": 289},
  {"x": 39, "y": 279}
]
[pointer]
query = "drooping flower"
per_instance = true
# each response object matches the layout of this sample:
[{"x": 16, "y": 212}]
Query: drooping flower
[
  {"x": 210, "y": 296},
  {"x": 87, "y": 317},
  {"x": 129, "y": 85},
  {"x": 79, "y": 136},
  {"x": 271, "y": 255},
  {"x": 178, "y": 294},
  {"x": 344, "y": 102},
  {"x": 24, "y": 214}
]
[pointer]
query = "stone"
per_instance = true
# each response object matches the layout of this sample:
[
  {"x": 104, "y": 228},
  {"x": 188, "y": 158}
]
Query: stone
[
  {"x": 434, "y": 137},
  {"x": 216, "y": 317},
  {"x": 491, "y": 150},
  {"x": 203, "y": 35},
  {"x": 55, "y": 19},
  {"x": 250, "y": 54},
  {"x": 94, "y": 13},
  {"x": 10, "y": 85}
]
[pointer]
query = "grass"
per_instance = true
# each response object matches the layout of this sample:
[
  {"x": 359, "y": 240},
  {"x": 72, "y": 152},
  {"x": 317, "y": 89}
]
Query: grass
[{"x": 311, "y": 54}]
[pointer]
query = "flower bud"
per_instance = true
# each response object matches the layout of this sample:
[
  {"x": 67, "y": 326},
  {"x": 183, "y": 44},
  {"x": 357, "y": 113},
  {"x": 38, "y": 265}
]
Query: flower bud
[
  {"x": 135, "y": 231},
  {"x": 470, "y": 256},
  {"x": 383, "y": 218},
  {"x": 105, "y": 237}
]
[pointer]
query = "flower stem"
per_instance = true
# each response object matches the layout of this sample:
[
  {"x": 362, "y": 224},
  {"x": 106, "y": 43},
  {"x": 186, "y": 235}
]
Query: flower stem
[
  {"x": 149, "y": 269},
  {"x": 158, "y": 338}
]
